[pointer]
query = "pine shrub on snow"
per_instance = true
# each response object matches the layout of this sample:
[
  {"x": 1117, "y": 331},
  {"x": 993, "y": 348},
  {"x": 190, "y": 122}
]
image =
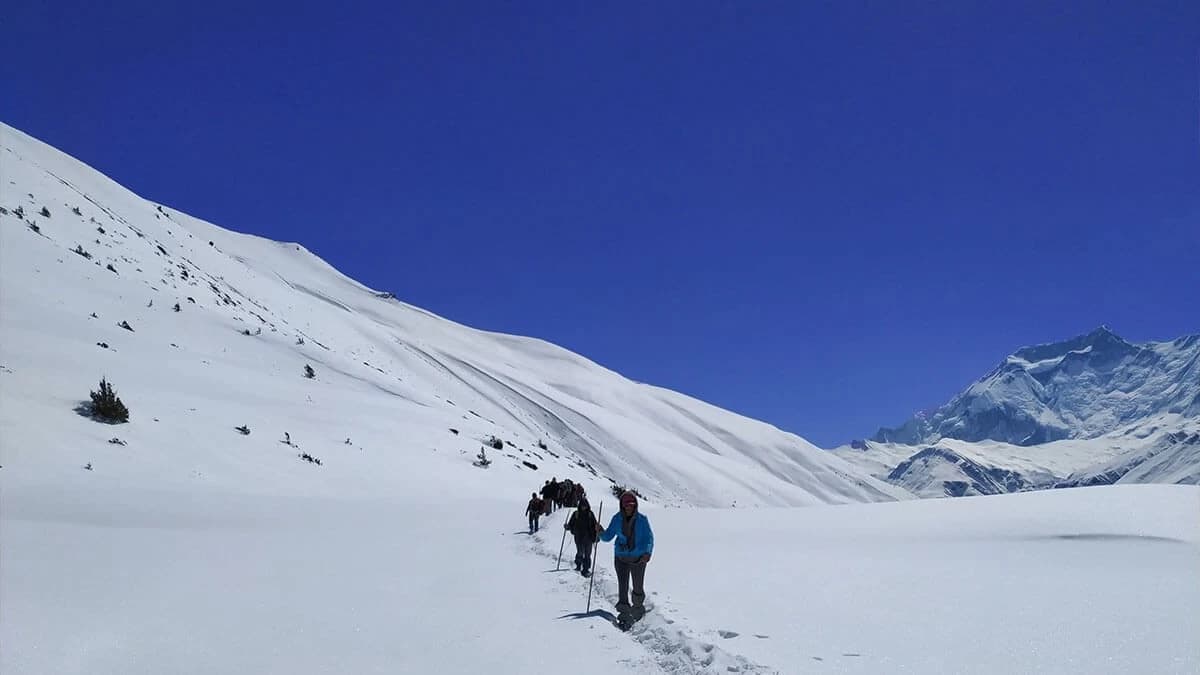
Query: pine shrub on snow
[
  {"x": 107, "y": 406},
  {"x": 481, "y": 460}
]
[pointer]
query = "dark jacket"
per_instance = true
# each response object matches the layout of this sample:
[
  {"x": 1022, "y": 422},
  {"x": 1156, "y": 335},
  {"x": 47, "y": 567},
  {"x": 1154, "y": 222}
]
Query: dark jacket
[
  {"x": 583, "y": 525},
  {"x": 534, "y": 508}
]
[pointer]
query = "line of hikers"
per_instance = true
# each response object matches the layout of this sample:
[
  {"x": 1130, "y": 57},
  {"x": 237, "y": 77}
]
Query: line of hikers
[
  {"x": 554, "y": 495},
  {"x": 631, "y": 551}
]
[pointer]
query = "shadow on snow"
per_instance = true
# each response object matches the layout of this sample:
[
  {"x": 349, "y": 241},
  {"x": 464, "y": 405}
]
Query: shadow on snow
[{"x": 602, "y": 613}]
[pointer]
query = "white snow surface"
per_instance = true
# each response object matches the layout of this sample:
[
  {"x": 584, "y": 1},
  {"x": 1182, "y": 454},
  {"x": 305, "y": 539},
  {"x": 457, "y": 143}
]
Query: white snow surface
[
  {"x": 191, "y": 548},
  {"x": 98, "y": 578}
]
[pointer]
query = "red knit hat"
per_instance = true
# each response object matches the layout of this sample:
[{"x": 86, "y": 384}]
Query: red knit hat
[{"x": 628, "y": 498}]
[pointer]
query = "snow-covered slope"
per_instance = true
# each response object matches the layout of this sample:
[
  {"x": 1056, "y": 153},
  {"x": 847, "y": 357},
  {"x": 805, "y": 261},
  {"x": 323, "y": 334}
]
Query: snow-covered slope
[
  {"x": 80, "y": 256},
  {"x": 1163, "y": 457},
  {"x": 1084, "y": 387},
  {"x": 1159, "y": 449}
]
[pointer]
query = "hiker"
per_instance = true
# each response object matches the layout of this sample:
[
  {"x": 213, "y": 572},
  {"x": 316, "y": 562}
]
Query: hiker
[
  {"x": 583, "y": 526},
  {"x": 534, "y": 511},
  {"x": 548, "y": 492},
  {"x": 631, "y": 551}
]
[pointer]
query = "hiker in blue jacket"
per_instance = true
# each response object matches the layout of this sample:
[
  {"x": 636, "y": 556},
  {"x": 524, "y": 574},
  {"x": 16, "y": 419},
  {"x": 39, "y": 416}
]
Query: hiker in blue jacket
[{"x": 631, "y": 551}]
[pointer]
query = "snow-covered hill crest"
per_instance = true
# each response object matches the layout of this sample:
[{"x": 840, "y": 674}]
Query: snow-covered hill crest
[{"x": 203, "y": 330}]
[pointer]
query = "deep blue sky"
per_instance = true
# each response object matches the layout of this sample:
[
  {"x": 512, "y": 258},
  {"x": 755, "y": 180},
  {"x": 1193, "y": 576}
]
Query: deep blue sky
[{"x": 824, "y": 215}]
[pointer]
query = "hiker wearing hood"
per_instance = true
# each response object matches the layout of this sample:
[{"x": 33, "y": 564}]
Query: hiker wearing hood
[
  {"x": 633, "y": 547},
  {"x": 583, "y": 526}
]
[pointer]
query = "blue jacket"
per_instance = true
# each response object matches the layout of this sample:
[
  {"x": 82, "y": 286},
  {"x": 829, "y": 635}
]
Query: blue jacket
[{"x": 643, "y": 537}]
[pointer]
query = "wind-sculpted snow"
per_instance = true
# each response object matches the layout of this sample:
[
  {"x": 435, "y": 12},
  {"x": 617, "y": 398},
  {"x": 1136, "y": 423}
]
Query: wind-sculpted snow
[{"x": 388, "y": 376}]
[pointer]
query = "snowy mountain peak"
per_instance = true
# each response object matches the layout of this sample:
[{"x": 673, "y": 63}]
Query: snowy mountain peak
[
  {"x": 1082, "y": 387},
  {"x": 1101, "y": 341}
]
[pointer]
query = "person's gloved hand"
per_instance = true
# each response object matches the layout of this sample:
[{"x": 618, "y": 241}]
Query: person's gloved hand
[{"x": 644, "y": 559}]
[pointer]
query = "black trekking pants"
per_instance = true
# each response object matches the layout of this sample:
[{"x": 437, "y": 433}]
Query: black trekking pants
[
  {"x": 627, "y": 568},
  {"x": 583, "y": 552}
]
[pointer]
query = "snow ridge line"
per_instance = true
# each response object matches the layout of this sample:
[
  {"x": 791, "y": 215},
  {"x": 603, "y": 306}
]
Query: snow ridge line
[{"x": 673, "y": 649}]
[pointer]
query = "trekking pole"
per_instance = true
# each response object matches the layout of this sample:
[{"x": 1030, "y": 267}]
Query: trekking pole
[
  {"x": 560, "y": 546},
  {"x": 592, "y": 576}
]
